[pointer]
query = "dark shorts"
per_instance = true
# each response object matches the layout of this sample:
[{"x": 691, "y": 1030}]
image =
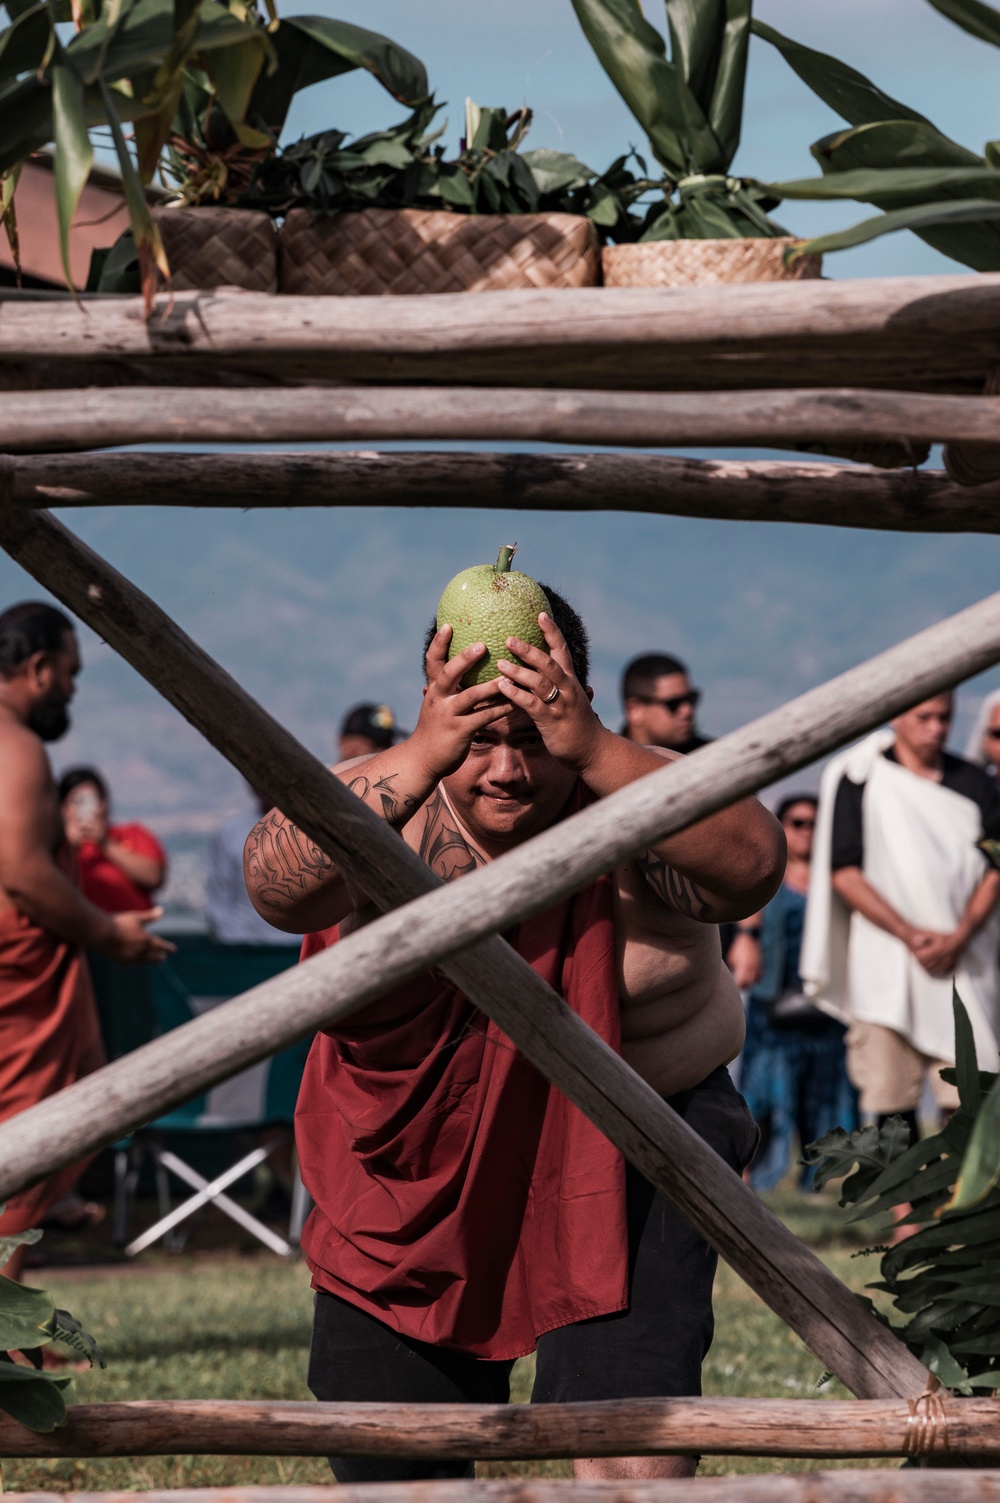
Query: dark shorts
[{"x": 655, "y": 1348}]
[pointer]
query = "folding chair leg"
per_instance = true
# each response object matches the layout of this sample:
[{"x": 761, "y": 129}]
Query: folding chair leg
[
  {"x": 301, "y": 1201},
  {"x": 127, "y": 1164},
  {"x": 211, "y": 1191}
]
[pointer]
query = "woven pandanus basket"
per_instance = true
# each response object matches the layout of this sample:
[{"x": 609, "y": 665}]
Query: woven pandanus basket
[
  {"x": 219, "y": 248},
  {"x": 395, "y": 251},
  {"x": 699, "y": 263}
]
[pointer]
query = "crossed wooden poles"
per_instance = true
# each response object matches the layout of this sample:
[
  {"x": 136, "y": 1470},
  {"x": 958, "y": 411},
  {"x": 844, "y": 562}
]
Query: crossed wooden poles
[{"x": 456, "y": 928}]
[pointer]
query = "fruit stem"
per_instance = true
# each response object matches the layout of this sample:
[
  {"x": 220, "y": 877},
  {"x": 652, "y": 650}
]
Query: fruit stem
[{"x": 502, "y": 565}]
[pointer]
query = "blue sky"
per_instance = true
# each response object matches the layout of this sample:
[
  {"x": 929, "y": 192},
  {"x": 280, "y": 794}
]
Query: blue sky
[{"x": 315, "y": 610}]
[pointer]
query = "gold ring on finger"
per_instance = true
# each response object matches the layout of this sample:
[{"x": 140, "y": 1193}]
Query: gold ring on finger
[{"x": 550, "y": 699}]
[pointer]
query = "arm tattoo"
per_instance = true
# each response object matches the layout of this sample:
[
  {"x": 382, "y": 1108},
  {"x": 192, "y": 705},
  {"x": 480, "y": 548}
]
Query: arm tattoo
[
  {"x": 445, "y": 849},
  {"x": 382, "y": 797},
  {"x": 282, "y": 864},
  {"x": 676, "y": 891}
]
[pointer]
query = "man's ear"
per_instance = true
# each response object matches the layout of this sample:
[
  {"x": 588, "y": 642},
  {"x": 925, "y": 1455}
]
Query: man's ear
[
  {"x": 38, "y": 670},
  {"x": 589, "y": 693},
  {"x": 424, "y": 690}
]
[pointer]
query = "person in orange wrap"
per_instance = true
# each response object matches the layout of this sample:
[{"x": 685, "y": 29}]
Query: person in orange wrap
[
  {"x": 465, "y": 1212},
  {"x": 48, "y": 1025}
]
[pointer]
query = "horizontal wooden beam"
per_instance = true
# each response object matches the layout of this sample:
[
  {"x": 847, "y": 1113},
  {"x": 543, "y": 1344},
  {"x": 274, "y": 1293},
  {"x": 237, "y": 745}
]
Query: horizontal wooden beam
[
  {"x": 871, "y": 1361},
  {"x": 933, "y": 1486},
  {"x": 510, "y": 1432},
  {"x": 46, "y": 422},
  {"x": 912, "y": 333},
  {"x": 789, "y": 491}
]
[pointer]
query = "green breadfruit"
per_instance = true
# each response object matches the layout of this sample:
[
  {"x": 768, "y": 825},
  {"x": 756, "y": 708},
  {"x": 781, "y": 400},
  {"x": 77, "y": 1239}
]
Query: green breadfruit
[{"x": 489, "y": 603}]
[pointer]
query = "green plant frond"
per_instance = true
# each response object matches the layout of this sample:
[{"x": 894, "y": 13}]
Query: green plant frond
[
  {"x": 67, "y": 1329},
  {"x": 74, "y": 155},
  {"x": 991, "y": 848},
  {"x": 966, "y": 1064},
  {"x": 915, "y": 184},
  {"x": 24, "y": 44},
  {"x": 633, "y": 55},
  {"x": 709, "y": 41},
  {"x": 26, "y": 1316},
  {"x": 844, "y": 89},
  {"x": 35, "y": 1399},
  {"x": 887, "y": 144},
  {"x": 982, "y": 21},
  {"x": 920, "y": 217},
  {"x": 13, "y": 1240}
]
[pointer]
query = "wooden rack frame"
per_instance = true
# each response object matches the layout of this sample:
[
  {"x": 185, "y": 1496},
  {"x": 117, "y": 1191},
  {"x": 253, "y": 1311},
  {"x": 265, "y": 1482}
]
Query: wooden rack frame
[{"x": 910, "y": 355}]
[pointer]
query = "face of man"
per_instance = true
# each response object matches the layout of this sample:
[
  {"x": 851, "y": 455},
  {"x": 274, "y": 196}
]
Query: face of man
[
  {"x": 509, "y": 787},
  {"x": 663, "y": 716},
  {"x": 52, "y": 684},
  {"x": 356, "y": 746},
  {"x": 923, "y": 731},
  {"x": 799, "y": 824}
]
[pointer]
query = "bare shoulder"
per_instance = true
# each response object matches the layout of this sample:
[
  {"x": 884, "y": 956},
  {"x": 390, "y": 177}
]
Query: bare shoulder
[{"x": 22, "y": 754}]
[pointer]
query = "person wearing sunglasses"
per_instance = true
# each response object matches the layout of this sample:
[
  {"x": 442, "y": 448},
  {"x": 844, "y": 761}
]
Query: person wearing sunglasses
[
  {"x": 660, "y": 704},
  {"x": 793, "y": 1073},
  {"x": 903, "y": 906},
  {"x": 984, "y": 740}
]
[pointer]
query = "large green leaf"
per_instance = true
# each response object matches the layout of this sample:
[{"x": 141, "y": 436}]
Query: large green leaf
[
  {"x": 23, "y": 45},
  {"x": 33, "y": 1398},
  {"x": 709, "y": 43},
  {"x": 843, "y": 88},
  {"x": 895, "y": 187},
  {"x": 26, "y": 1316},
  {"x": 74, "y": 153},
  {"x": 311, "y": 49},
  {"x": 633, "y": 54},
  {"x": 922, "y": 216},
  {"x": 981, "y": 1165},
  {"x": 891, "y": 143},
  {"x": 973, "y": 16}
]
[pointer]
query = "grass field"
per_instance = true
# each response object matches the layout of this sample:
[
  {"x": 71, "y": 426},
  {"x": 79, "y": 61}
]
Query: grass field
[{"x": 218, "y": 1324}]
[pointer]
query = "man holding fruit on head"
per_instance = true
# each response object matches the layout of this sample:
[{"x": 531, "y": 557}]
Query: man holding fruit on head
[{"x": 466, "y": 1213}]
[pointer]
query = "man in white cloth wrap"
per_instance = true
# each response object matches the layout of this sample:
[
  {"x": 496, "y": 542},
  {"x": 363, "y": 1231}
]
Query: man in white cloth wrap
[{"x": 902, "y": 902}]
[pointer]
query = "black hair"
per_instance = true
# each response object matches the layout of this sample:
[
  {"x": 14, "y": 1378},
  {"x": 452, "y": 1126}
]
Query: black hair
[
  {"x": 641, "y": 674},
  {"x": 794, "y": 798},
  {"x": 28, "y": 628},
  {"x": 568, "y": 622},
  {"x": 77, "y": 777}
]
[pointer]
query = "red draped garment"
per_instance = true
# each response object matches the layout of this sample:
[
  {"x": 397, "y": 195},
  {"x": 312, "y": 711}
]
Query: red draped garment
[
  {"x": 49, "y": 1037},
  {"x": 460, "y": 1198}
]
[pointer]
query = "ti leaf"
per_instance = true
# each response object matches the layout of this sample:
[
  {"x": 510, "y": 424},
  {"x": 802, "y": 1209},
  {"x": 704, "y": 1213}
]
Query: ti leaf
[
  {"x": 843, "y": 88},
  {"x": 973, "y": 16},
  {"x": 919, "y": 217},
  {"x": 74, "y": 153}
]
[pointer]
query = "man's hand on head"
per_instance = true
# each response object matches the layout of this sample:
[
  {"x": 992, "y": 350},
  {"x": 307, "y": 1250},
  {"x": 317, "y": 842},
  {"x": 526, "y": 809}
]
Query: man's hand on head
[
  {"x": 450, "y": 716},
  {"x": 545, "y": 687}
]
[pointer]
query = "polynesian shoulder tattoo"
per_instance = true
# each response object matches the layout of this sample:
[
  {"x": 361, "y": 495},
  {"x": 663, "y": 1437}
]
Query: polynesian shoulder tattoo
[{"x": 676, "y": 891}]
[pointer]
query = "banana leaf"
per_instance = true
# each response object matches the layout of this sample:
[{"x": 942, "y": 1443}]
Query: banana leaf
[{"x": 973, "y": 16}]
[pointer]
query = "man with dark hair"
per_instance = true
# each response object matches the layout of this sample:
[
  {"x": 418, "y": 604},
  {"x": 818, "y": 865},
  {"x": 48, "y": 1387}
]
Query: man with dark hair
[
  {"x": 48, "y": 1026},
  {"x": 466, "y": 1213},
  {"x": 660, "y": 703},
  {"x": 365, "y": 729}
]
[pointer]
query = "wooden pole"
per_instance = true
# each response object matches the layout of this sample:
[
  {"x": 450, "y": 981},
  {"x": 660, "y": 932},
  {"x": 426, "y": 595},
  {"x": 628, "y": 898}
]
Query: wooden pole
[
  {"x": 507, "y": 1432},
  {"x": 829, "y": 494},
  {"x": 811, "y": 1487},
  {"x": 910, "y": 333},
  {"x": 92, "y": 418},
  {"x": 871, "y": 1361}
]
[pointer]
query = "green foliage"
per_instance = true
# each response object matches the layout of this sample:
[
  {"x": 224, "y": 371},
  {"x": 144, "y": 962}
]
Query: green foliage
[
  {"x": 406, "y": 166},
  {"x": 895, "y": 159},
  {"x": 945, "y": 1277},
  {"x": 213, "y": 74},
  {"x": 690, "y": 106},
  {"x": 28, "y": 1322}
]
